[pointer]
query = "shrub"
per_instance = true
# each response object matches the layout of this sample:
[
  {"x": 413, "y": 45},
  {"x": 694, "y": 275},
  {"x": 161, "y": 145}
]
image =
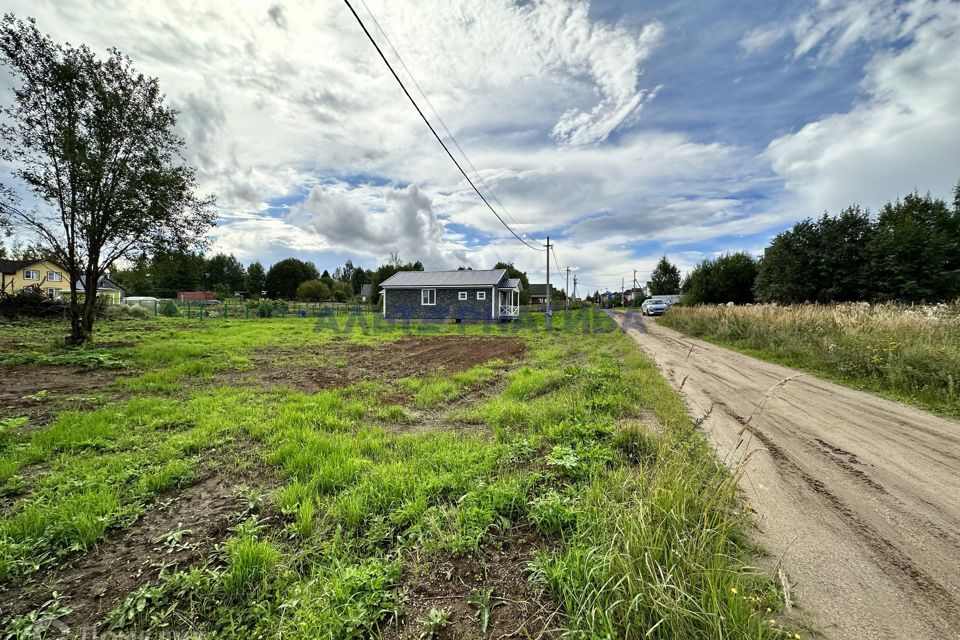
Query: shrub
[
  {"x": 169, "y": 309},
  {"x": 313, "y": 291}
]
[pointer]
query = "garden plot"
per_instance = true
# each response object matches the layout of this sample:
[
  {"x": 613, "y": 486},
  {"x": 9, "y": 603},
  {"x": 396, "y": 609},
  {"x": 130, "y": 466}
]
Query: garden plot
[{"x": 340, "y": 363}]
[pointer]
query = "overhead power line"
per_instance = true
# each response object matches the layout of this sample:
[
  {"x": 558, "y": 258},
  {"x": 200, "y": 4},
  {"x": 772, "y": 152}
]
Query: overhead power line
[
  {"x": 436, "y": 114},
  {"x": 432, "y": 130}
]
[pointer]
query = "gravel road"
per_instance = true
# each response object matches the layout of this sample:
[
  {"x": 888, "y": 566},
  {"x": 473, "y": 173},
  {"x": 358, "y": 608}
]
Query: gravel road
[{"x": 859, "y": 496}]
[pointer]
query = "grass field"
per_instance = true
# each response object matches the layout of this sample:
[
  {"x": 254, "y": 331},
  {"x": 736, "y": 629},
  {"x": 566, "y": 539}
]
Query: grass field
[
  {"x": 909, "y": 353},
  {"x": 269, "y": 479}
]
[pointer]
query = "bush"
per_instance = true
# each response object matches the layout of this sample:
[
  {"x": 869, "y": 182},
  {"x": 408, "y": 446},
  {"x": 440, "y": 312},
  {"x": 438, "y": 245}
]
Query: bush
[
  {"x": 313, "y": 291},
  {"x": 169, "y": 309}
]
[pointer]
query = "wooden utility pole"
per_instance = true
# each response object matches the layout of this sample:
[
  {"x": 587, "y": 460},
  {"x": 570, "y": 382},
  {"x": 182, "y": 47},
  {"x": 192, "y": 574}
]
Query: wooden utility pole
[
  {"x": 548, "y": 283},
  {"x": 622, "y": 304},
  {"x": 566, "y": 289}
]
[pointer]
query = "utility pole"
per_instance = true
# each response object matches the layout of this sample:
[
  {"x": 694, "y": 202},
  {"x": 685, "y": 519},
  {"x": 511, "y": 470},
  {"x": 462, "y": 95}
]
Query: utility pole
[
  {"x": 566, "y": 289},
  {"x": 633, "y": 293},
  {"x": 574, "y": 286},
  {"x": 622, "y": 304},
  {"x": 548, "y": 283}
]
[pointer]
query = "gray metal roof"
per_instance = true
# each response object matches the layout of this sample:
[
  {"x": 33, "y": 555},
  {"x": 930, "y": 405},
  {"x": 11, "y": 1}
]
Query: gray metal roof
[
  {"x": 465, "y": 278},
  {"x": 512, "y": 283}
]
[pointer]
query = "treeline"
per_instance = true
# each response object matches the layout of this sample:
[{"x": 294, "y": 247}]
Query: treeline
[
  {"x": 909, "y": 251},
  {"x": 164, "y": 274}
]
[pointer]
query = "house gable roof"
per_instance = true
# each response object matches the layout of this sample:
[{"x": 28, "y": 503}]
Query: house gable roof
[
  {"x": 12, "y": 266},
  {"x": 512, "y": 283},
  {"x": 104, "y": 283},
  {"x": 465, "y": 278}
]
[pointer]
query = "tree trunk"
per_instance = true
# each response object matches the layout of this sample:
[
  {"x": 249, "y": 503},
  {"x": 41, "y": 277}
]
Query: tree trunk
[{"x": 76, "y": 313}]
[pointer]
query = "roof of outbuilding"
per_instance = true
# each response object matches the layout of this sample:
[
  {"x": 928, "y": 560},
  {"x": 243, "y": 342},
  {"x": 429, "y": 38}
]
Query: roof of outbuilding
[
  {"x": 512, "y": 283},
  {"x": 365, "y": 289},
  {"x": 465, "y": 278},
  {"x": 540, "y": 289},
  {"x": 103, "y": 283}
]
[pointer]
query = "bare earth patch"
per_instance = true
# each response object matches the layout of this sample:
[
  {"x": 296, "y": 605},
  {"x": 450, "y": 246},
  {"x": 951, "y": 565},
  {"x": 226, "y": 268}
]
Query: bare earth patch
[
  {"x": 517, "y": 607},
  {"x": 35, "y": 390},
  {"x": 179, "y": 533},
  {"x": 342, "y": 363}
]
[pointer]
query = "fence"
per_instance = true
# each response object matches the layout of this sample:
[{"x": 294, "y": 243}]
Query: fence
[{"x": 254, "y": 309}]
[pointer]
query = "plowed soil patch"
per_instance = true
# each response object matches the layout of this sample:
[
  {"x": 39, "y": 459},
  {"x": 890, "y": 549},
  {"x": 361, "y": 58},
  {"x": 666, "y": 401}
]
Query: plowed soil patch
[{"x": 346, "y": 363}]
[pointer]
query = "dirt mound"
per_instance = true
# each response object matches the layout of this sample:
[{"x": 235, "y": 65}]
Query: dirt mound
[
  {"x": 407, "y": 357},
  {"x": 496, "y": 582}
]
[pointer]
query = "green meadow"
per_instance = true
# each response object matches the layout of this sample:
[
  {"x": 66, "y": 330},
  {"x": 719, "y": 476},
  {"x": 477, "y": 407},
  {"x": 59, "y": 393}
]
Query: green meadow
[{"x": 564, "y": 492}]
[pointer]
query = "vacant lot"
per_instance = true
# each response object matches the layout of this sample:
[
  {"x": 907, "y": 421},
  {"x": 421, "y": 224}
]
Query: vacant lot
[
  {"x": 906, "y": 352},
  {"x": 262, "y": 478}
]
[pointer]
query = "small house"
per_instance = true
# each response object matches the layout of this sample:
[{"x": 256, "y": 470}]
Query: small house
[
  {"x": 538, "y": 293},
  {"x": 365, "y": 291},
  {"x": 468, "y": 295},
  {"x": 49, "y": 277},
  {"x": 107, "y": 289}
]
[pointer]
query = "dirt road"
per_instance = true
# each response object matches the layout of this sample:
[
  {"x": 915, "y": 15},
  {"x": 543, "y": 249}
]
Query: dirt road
[{"x": 860, "y": 496}]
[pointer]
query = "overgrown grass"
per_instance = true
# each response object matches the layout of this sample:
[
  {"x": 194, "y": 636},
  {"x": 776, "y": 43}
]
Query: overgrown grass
[
  {"x": 640, "y": 521},
  {"x": 910, "y": 353}
]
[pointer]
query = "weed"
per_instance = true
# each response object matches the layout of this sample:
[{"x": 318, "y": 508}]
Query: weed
[
  {"x": 42, "y": 622},
  {"x": 435, "y": 622},
  {"x": 483, "y": 600}
]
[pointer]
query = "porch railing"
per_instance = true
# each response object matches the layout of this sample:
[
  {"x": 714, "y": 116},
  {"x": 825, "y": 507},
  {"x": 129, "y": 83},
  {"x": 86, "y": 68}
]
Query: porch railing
[{"x": 509, "y": 310}]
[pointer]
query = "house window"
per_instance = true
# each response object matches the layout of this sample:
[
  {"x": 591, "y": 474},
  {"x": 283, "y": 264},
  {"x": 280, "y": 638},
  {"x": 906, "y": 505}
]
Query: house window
[
  {"x": 54, "y": 276},
  {"x": 31, "y": 274},
  {"x": 481, "y": 295},
  {"x": 428, "y": 296},
  {"x": 462, "y": 295},
  {"x": 53, "y": 293}
]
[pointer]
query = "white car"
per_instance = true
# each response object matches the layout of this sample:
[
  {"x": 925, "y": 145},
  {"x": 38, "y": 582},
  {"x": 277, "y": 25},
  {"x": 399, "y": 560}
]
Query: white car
[{"x": 653, "y": 307}]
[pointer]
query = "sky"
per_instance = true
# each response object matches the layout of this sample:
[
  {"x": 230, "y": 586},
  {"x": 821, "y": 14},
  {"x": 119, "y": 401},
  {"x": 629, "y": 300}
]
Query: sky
[{"x": 624, "y": 130}]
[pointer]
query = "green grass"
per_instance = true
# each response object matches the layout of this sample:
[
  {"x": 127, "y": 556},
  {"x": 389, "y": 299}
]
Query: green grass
[
  {"x": 907, "y": 353},
  {"x": 641, "y": 524}
]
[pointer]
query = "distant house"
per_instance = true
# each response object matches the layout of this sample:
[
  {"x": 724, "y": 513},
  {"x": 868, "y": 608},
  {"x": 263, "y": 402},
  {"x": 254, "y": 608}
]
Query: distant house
[
  {"x": 184, "y": 296},
  {"x": 49, "y": 277},
  {"x": 469, "y": 295},
  {"x": 538, "y": 293},
  {"x": 638, "y": 293},
  {"x": 365, "y": 291},
  {"x": 106, "y": 289}
]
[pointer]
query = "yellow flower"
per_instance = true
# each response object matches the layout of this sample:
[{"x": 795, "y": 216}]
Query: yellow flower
[
  {"x": 796, "y": 636},
  {"x": 769, "y": 610},
  {"x": 772, "y": 621},
  {"x": 733, "y": 589}
]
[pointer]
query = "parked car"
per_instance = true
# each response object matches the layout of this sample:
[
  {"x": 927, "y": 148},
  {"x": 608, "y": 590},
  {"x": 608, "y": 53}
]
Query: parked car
[{"x": 654, "y": 307}]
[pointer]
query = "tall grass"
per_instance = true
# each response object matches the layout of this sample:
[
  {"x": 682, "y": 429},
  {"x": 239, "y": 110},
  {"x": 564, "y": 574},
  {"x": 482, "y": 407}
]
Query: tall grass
[{"x": 909, "y": 352}]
